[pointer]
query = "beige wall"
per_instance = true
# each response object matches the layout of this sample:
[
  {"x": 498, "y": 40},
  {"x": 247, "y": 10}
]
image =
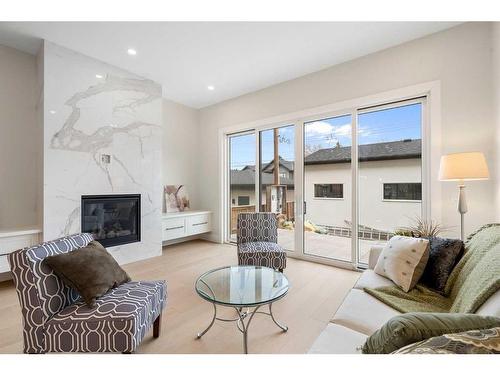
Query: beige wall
[
  {"x": 460, "y": 58},
  {"x": 180, "y": 148},
  {"x": 18, "y": 140},
  {"x": 496, "y": 107}
]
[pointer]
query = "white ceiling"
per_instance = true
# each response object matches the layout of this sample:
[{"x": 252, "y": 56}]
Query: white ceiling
[{"x": 235, "y": 57}]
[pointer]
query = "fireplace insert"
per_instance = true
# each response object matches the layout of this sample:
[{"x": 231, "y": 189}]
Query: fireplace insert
[{"x": 112, "y": 219}]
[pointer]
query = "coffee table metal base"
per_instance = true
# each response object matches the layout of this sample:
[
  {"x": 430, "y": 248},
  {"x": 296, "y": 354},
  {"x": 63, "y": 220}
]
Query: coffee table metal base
[{"x": 242, "y": 326}]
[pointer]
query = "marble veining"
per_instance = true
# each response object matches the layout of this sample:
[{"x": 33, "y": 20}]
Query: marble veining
[{"x": 86, "y": 117}]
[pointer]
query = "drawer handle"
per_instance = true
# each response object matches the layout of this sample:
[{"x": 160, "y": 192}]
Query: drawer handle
[
  {"x": 180, "y": 227},
  {"x": 204, "y": 223}
]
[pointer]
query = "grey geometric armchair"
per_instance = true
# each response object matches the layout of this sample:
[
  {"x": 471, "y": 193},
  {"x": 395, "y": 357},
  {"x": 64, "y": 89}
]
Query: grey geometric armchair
[
  {"x": 258, "y": 241},
  {"x": 55, "y": 319}
]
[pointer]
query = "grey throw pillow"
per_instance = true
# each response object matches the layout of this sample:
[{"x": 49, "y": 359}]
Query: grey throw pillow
[
  {"x": 90, "y": 270},
  {"x": 409, "y": 328},
  {"x": 443, "y": 256}
]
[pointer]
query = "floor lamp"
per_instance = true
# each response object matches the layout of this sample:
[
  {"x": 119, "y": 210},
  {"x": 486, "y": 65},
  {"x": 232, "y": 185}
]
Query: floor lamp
[{"x": 462, "y": 167}]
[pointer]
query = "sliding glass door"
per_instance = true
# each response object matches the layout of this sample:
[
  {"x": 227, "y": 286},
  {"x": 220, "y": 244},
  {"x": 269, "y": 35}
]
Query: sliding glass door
[
  {"x": 338, "y": 184},
  {"x": 389, "y": 142},
  {"x": 327, "y": 188},
  {"x": 277, "y": 187},
  {"x": 241, "y": 173}
]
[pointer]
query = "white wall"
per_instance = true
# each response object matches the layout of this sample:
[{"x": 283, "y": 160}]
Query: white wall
[
  {"x": 180, "y": 158},
  {"x": 460, "y": 58},
  {"x": 374, "y": 211},
  {"x": 18, "y": 140}
]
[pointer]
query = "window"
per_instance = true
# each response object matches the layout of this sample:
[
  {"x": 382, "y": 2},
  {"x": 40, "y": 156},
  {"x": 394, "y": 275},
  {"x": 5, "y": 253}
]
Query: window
[
  {"x": 328, "y": 190},
  {"x": 243, "y": 200},
  {"x": 403, "y": 191}
]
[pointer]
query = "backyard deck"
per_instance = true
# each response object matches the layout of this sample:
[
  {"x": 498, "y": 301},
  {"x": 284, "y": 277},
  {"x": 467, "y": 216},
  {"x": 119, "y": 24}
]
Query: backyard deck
[{"x": 328, "y": 246}]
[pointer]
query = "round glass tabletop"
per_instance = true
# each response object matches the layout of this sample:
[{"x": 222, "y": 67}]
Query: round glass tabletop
[{"x": 242, "y": 285}]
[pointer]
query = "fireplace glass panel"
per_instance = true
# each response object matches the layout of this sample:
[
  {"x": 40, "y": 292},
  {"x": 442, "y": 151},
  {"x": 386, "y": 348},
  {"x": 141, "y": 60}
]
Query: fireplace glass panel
[{"x": 112, "y": 219}]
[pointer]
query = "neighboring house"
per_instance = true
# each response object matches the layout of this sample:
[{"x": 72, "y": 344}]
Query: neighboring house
[
  {"x": 390, "y": 189},
  {"x": 243, "y": 182}
]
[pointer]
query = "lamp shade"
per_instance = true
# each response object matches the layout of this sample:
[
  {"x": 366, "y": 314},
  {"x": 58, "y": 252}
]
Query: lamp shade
[{"x": 463, "y": 166}]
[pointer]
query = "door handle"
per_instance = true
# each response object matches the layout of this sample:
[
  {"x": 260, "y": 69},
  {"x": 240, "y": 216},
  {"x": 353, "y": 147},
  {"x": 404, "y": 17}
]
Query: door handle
[{"x": 305, "y": 208}]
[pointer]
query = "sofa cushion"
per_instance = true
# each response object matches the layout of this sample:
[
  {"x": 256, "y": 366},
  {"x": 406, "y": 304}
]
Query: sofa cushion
[
  {"x": 444, "y": 254},
  {"x": 118, "y": 323},
  {"x": 336, "y": 339},
  {"x": 267, "y": 254},
  {"x": 483, "y": 341},
  {"x": 408, "y": 328},
  {"x": 91, "y": 270},
  {"x": 491, "y": 307},
  {"x": 369, "y": 279},
  {"x": 403, "y": 260},
  {"x": 363, "y": 313}
]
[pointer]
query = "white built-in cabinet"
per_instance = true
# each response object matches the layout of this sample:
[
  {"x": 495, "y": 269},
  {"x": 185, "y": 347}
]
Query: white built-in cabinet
[
  {"x": 178, "y": 225},
  {"x": 15, "y": 240}
]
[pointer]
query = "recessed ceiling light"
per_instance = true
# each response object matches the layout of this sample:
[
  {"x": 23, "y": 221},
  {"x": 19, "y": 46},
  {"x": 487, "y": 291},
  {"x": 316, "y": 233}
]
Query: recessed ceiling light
[
  {"x": 211, "y": 88},
  {"x": 132, "y": 52},
  {"x": 52, "y": 112},
  {"x": 99, "y": 76}
]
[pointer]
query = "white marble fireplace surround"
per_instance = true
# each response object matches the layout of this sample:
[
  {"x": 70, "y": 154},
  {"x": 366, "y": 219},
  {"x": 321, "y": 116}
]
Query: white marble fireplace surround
[{"x": 93, "y": 109}]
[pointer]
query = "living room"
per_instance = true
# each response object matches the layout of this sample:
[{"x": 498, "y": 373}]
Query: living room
[{"x": 249, "y": 187}]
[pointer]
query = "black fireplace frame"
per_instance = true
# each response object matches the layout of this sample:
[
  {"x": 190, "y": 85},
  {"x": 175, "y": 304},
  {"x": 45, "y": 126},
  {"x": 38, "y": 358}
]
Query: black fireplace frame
[{"x": 116, "y": 241}]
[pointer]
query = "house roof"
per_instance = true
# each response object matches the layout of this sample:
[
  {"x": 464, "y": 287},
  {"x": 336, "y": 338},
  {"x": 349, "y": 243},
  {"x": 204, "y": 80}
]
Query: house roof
[
  {"x": 246, "y": 177},
  {"x": 269, "y": 167},
  {"x": 405, "y": 149}
]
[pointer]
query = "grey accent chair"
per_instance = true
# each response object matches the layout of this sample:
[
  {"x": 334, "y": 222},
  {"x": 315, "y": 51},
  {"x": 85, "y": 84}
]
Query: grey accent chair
[
  {"x": 56, "y": 320},
  {"x": 257, "y": 238}
]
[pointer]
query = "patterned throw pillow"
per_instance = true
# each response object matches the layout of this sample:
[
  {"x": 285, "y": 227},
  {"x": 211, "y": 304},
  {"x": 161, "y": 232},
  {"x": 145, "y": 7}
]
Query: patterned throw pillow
[
  {"x": 483, "y": 341},
  {"x": 444, "y": 254},
  {"x": 403, "y": 260}
]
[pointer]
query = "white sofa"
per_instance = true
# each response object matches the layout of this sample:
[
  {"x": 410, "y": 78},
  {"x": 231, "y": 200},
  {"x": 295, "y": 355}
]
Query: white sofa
[{"x": 360, "y": 314}]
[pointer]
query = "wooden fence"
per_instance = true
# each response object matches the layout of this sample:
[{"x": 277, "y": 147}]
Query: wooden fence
[{"x": 236, "y": 210}]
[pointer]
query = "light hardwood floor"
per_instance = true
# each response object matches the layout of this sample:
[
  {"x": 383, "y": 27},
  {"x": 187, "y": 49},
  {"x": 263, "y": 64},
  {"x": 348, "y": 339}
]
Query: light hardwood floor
[{"x": 316, "y": 292}]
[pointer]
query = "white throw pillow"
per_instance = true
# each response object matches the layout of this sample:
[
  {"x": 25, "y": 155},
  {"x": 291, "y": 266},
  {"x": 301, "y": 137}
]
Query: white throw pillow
[{"x": 403, "y": 260}]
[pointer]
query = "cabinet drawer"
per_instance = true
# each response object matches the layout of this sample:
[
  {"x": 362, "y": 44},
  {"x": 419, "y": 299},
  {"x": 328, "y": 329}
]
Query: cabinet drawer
[
  {"x": 4, "y": 264},
  {"x": 198, "y": 224},
  {"x": 10, "y": 244},
  {"x": 173, "y": 228}
]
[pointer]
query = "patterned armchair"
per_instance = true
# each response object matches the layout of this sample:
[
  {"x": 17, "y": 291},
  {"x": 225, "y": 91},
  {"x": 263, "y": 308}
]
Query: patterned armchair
[
  {"x": 56, "y": 320},
  {"x": 258, "y": 241}
]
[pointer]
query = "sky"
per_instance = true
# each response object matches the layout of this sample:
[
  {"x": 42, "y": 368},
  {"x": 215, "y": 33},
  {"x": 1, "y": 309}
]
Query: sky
[{"x": 387, "y": 125}]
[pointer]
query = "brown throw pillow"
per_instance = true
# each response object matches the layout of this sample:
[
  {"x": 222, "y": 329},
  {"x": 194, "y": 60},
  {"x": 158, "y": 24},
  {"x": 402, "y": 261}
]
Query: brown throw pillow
[{"x": 90, "y": 270}]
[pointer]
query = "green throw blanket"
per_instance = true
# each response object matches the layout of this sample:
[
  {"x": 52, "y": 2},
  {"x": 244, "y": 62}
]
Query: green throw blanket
[{"x": 473, "y": 280}]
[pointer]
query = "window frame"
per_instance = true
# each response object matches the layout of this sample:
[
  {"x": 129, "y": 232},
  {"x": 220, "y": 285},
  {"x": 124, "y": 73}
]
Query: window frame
[
  {"x": 401, "y": 200},
  {"x": 328, "y": 198},
  {"x": 243, "y": 196}
]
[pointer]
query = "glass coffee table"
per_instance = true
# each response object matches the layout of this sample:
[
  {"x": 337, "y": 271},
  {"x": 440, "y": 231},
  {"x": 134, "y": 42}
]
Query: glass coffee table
[{"x": 244, "y": 288}]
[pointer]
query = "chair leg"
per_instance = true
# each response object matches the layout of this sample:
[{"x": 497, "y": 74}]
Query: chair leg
[
  {"x": 280, "y": 269},
  {"x": 157, "y": 327}
]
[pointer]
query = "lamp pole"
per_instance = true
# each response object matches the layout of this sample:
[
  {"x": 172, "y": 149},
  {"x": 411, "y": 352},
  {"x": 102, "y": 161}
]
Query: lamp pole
[{"x": 462, "y": 207}]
